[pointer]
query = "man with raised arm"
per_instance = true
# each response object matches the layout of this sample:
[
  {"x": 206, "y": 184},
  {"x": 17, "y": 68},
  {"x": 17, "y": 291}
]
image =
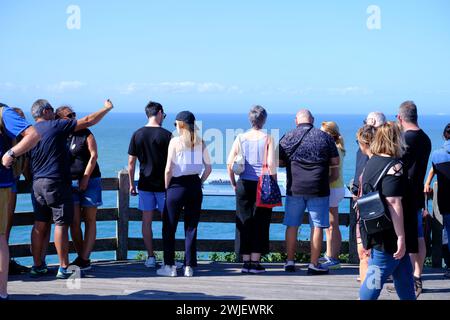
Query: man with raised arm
[
  {"x": 52, "y": 186},
  {"x": 11, "y": 127}
]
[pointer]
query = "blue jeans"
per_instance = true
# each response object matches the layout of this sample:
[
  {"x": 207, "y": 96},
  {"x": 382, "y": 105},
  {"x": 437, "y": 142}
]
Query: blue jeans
[
  {"x": 446, "y": 218},
  {"x": 381, "y": 266}
]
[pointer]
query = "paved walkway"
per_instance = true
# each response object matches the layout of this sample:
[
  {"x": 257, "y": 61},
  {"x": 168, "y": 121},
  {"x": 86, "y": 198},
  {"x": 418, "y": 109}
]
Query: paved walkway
[{"x": 131, "y": 280}]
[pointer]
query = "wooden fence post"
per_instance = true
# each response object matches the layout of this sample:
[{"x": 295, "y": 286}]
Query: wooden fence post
[
  {"x": 123, "y": 205},
  {"x": 352, "y": 243},
  {"x": 436, "y": 232}
]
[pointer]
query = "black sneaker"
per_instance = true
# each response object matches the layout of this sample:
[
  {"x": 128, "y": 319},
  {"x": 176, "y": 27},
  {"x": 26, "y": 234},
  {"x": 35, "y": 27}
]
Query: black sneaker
[
  {"x": 245, "y": 267},
  {"x": 84, "y": 265},
  {"x": 256, "y": 268},
  {"x": 16, "y": 269},
  {"x": 317, "y": 269},
  {"x": 289, "y": 267}
]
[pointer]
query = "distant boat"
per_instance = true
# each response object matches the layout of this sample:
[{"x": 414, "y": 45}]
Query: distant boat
[{"x": 220, "y": 182}]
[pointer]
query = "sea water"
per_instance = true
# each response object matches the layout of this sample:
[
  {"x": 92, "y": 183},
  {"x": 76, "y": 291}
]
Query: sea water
[{"x": 113, "y": 136}]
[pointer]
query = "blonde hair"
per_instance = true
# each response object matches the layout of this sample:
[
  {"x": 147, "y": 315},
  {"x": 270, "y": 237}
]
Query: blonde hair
[
  {"x": 332, "y": 129},
  {"x": 366, "y": 134},
  {"x": 389, "y": 140},
  {"x": 189, "y": 136}
]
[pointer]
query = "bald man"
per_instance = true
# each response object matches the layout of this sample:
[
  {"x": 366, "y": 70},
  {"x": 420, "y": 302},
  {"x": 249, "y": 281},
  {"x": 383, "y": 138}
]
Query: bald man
[{"x": 312, "y": 162}]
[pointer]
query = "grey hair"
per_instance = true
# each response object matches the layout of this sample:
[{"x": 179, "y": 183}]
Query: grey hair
[
  {"x": 257, "y": 117},
  {"x": 408, "y": 111},
  {"x": 376, "y": 119},
  {"x": 38, "y": 107}
]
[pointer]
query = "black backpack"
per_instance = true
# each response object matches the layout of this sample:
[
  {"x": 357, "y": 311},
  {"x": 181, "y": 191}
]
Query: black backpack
[{"x": 374, "y": 214}]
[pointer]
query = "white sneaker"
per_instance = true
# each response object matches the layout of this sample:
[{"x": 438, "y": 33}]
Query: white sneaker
[
  {"x": 150, "y": 262},
  {"x": 179, "y": 265},
  {"x": 188, "y": 271},
  {"x": 167, "y": 271}
]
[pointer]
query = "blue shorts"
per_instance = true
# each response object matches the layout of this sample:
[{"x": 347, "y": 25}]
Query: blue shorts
[
  {"x": 92, "y": 196},
  {"x": 318, "y": 208},
  {"x": 150, "y": 201},
  {"x": 420, "y": 224},
  {"x": 15, "y": 186}
]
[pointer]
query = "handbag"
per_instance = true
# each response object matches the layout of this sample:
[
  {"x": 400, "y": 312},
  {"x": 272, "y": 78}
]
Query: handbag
[
  {"x": 238, "y": 165},
  {"x": 373, "y": 213},
  {"x": 268, "y": 194}
]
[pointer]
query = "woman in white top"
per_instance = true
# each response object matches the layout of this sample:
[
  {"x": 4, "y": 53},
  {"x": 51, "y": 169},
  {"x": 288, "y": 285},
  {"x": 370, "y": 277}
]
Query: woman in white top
[
  {"x": 188, "y": 166},
  {"x": 252, "y": 222}
]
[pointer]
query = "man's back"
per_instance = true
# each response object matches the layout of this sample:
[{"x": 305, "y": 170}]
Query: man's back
[
  {"x": 50, "y": 157},
  {"x": 12, "y": 126},
  {"x": 150, "y": 145},
  {"x": 416, "y": 162},
  {"x": 308, "y": 163},
  {"x": 441, "y": 165}
]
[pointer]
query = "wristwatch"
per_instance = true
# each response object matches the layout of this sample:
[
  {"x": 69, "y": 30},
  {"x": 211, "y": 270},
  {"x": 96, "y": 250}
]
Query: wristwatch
[{"x": 11, "y": 153}]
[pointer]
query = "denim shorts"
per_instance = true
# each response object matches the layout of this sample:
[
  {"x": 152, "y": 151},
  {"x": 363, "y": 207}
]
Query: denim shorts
[
  {"x": 151, "y": 201},
  {"x": 318, "y": 208},
  {"x": 92, "y": 196}
]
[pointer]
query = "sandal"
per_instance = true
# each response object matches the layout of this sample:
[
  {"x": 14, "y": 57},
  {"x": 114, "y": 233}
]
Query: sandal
[{"x": 418, "y": 286}]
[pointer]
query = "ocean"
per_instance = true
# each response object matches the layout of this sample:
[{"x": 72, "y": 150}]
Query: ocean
[{"x": 113, "y": 135}]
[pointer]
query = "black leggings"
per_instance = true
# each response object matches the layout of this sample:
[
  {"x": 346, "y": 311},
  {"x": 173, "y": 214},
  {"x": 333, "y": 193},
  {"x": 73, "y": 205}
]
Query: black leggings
[
  {"x": 252, "y": 222},
  {"x": 184, "y": 192}
]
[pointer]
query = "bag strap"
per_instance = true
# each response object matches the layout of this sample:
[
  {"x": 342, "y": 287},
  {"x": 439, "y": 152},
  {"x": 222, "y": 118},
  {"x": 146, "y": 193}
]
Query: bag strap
[
  {"x": 383, "y": 173},
  {"x": 3, "y": 134},
  {"x": 266, "y": 153},
  {"x": 301, "y": 139},
  {"x": 239, "y": 145}
]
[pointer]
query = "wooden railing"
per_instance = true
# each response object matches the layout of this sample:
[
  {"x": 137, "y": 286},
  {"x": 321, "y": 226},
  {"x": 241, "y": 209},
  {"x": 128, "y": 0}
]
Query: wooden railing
[{"x": 122, "y": 214}]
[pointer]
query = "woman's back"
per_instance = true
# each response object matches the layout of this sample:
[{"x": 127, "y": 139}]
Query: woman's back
[
  {"x": 253, "y": 149},
  {"x": 187, "y": 161}
]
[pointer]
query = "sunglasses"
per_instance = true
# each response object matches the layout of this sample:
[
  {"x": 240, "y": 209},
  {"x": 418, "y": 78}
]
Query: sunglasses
[{"x": 72, "y": 115}]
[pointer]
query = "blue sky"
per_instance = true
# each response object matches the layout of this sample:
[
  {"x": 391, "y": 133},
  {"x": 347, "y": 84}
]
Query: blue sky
[{"x": 224, "y": 56}]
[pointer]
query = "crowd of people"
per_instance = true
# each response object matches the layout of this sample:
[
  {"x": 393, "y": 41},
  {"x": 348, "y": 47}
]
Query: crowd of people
[{"x": 58, "y": 154}]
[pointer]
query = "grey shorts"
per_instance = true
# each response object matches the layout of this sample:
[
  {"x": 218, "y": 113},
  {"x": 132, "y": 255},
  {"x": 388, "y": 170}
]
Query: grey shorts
[{"x": 52, "y": 200}]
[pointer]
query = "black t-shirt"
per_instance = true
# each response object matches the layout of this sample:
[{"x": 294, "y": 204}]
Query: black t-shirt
[
  {"x": 50, "y": 157},
  {"x": 308, "y": 164},
  {"x": 150, "y": 145},
  {"x": 416, "y": 162},
  {"x": 389, "y": 186},
  {"x": 80, "y": 154}
]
